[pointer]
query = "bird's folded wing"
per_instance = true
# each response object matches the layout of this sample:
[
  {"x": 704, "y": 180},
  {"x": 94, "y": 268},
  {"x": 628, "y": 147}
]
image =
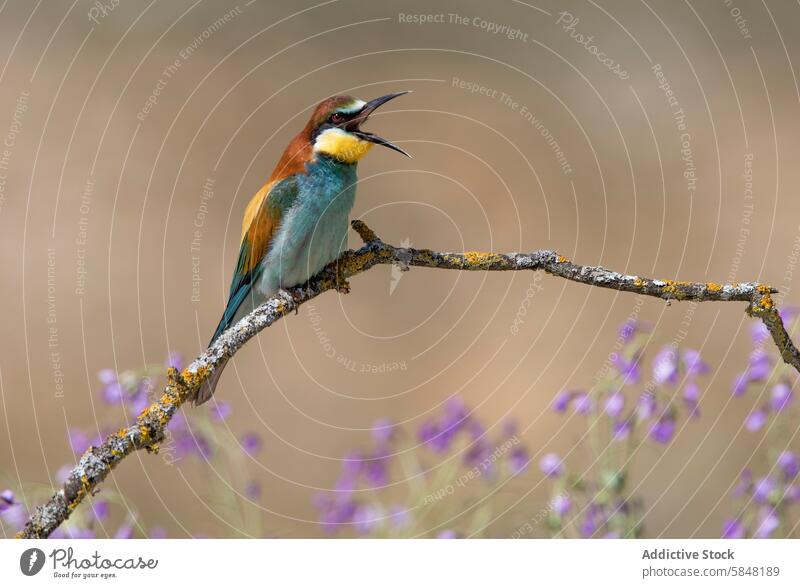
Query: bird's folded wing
[{"x": 259, "y": 227}]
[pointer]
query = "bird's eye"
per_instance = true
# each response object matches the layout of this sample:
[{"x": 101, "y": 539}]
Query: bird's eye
[{"x": 337, "y": 117}]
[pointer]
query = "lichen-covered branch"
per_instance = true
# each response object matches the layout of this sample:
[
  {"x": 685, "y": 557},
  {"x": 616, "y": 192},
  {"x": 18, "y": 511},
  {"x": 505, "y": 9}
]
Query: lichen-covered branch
[{"x": 150, "y": 426}]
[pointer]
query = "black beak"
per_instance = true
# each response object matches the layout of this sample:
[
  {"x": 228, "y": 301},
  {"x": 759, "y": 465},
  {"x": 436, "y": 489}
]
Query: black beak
[{"x": 354, "y": 125}]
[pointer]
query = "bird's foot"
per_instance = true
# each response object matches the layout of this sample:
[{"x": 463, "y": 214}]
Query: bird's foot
[{"x": 294, "y": 296}]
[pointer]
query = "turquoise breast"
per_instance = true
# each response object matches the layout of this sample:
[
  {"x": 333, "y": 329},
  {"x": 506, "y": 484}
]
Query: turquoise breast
[{"x": 313, "y": 232}]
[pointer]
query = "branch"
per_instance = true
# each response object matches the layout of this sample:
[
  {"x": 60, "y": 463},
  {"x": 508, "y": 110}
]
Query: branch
[{"x": 150, "y": 426}]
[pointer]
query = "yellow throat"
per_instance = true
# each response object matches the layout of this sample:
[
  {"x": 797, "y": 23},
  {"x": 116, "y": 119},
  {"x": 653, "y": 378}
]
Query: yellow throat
[{"x": 341, "y": 145}]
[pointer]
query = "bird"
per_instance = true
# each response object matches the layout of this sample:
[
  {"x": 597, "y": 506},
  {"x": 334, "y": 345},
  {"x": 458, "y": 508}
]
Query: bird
[{"x": 296, "y": 224}]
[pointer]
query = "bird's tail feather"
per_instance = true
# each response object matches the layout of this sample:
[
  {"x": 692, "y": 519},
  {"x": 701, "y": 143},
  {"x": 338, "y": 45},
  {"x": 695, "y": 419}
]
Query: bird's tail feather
[
  {"x": 239, "y": 304},
  {"x": 237, "y": 308},
  {"x": 207, "y": 388}
]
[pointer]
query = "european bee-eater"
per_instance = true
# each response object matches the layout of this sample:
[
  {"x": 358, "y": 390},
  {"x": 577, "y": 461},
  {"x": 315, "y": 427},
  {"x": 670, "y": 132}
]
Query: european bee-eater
[{"x": 296, "y": 224}]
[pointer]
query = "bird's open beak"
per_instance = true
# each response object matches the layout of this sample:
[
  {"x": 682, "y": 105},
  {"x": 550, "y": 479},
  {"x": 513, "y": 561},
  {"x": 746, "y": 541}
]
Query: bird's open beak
[{"x": 354, "y": 125}]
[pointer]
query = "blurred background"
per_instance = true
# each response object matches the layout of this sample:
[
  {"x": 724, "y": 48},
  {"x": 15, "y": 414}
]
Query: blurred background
[{"x": 657, "y": 138}]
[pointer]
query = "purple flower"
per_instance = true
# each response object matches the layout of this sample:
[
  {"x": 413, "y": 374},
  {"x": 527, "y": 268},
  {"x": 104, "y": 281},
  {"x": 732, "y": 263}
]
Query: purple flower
[
  {"x": 189, "y": 442},
  {"x": 665, "y": 366},
  {"x": 561, "y": 504},
  {"x": 646, "y": 407},
  {"x": 769, "y": 522},
  {"x": 63, "y": 473},
  {"x": 518, "y": 459},
  {"x": 107, "y": 376},
  {"x": 781, "y": 396},
  {"x": 376, "y": 471},
  {"x": 125, "y": 530},
  {"x": 630, "y": 327},
  {"x": 447, "y": 534},
  {"x": 756, "y": 420},
  {"x": 455, "y": 414},
  {"x": 139, "y": 401},
  {"x": 476, "y": 430},
  {"x": 663, "y": 429},
  {"x": 622, "y": 430},
  {"x": 791, "y": 494},
  {"x": 251, "y": 443},
  {"x": 383, "y": 431},
  {"x": 693, "y": 363},
  {"x": 788, "y": 313},
  {"x": 221, "y": 410},
  {"x": 614, "y": 404},
  {"x": 73, "y": 533},
  {"x": 476, "y": 453},
  {"x": 15, "y": 516},
  {"x": 252, "y": 490},
  {"x": 583, "y": 403},
  {"x": 113, "y": 393},
  {"x": 78, "y": 440},
  {"x": 6, "y": 500},
  {"x": 551, "y": 466},
  {"x": 691, "y": 396},
  {"x": 789, "y": 463},
  {"x": 760, "y": 365},
  {"x": 430, "y": 434},
  {"x": 367, "y": 517},
  {"x": 158, "y": 533},
  {"x": 628, "y": 369},
  {"x": 745, "y": 483},
  {"x": 562, "y": 400},
  {"x": 352, "y": 466},
  {"x": 763, "y": 489},
  {"x": 740, "y": 384},
  {"x": 100, "y": 509},
  {"x": 758, "y": 332},
  {"x": 335, "y": 510},
  {"x": 733, "y": 529},
  {"x": 592, "y": 521}
]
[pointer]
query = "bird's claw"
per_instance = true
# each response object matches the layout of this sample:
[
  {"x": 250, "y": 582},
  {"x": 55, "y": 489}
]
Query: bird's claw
[{"x": 295, "y": 297}]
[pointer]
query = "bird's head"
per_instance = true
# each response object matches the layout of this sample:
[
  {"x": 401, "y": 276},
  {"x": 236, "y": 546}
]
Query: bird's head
[{"x": 335, "y": 127}]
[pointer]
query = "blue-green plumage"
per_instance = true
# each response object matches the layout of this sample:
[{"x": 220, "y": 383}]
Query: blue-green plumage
[
  {"x": 297, "y": 223},
  {"x": 314, "y": 209},
  {"x": 282, "y": 196}
]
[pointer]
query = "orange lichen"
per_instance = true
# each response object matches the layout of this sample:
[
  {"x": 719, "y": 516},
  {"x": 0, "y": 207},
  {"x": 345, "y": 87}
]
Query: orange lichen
[
  {"x": 712, "y": 287},
  {"x": 82, "y": 492},
  {"x": 480, "y": 259},
  {"x": 676, "y": 289},
  {"x": 144, "y": 434},
  {"x": 184, "y": 385},
  {"x": 765, "y": 302}
]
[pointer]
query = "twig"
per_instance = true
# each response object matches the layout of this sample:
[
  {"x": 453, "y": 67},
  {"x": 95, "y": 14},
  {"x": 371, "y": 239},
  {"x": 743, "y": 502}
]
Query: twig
[{"x": 149, "y": 428}]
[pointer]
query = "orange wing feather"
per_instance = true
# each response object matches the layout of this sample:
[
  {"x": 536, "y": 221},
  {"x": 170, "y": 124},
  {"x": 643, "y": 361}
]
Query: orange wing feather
[{"x": 258, "y": 227}]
